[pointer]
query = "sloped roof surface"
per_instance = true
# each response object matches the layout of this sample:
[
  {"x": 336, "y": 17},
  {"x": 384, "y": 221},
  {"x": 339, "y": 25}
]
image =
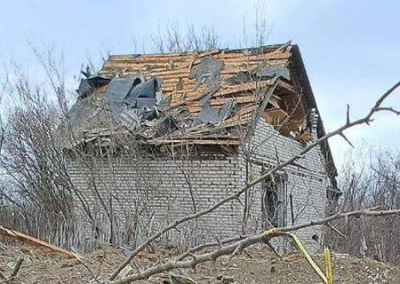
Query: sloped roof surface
[{"x": 198, "y": 97}]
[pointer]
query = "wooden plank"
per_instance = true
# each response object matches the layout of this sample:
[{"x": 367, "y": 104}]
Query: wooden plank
[
  {"x": 283, "y": 48},
  {"x": 275, "y": 116},
  {"x": 149, "y": 55},
  {"x": 239, "y": 100},
  {"x": 195, "y": 141},
  {"x": 192, "y": 61},
  {"x": 238, "y": 119},
  {"x": 288, "y": 87},
  {"x": 212, "y": 52},
  {"x": 227, "y": 90},
  {"x": 150, "y": 58},
  {"x": 33, "y": 241},
  {"x": 258, "y": 58},
  {"x": 304, "y": 137}
]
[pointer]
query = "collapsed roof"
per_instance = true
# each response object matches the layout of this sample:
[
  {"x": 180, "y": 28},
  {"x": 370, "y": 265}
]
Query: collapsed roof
[{"x": 198, "y": 98}]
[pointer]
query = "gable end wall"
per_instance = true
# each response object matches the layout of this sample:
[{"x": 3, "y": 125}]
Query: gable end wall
[{"x": 306, "y": 182}]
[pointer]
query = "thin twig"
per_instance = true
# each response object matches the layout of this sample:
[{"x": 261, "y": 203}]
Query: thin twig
[{"x": 336, "y": 230}]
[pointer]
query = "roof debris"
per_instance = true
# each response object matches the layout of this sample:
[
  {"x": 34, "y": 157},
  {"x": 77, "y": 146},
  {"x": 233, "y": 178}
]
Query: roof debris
[
  {"x": 207, "y": 72},
  {"x": 215, "y": 115},
  {"x": 87, "y": 86}
]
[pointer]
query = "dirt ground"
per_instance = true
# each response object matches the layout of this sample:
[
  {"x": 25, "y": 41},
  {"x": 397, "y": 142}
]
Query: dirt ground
[{"x": 258, "y": 266}]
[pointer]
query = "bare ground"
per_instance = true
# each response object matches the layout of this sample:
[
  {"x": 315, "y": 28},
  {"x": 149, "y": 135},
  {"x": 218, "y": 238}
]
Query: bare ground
[{"x": 258, "y": 266}]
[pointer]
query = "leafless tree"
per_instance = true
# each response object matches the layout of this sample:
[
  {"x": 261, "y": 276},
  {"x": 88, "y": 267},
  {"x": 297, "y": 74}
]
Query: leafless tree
[
  {"x": 35, "y": 172},
  {"x": 371, "y": 179},
  {"x": 171, "y": 38}
]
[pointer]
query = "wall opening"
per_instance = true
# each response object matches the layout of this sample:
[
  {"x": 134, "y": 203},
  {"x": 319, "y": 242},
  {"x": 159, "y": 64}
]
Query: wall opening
[{"x": 274, "y": 202}]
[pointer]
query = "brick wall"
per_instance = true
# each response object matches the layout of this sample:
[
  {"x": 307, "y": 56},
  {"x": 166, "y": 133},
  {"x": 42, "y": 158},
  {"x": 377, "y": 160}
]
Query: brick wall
[
  {"x": 306, "y": 181},
  {"x": 158, "y": 189}
]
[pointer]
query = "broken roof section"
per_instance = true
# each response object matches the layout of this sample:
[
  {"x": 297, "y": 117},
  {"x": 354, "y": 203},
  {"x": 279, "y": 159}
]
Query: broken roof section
[
  {"x": 197, "y": 92},
  {"x": 205, "y": 98},
  {"x": 199, "y": 98}
]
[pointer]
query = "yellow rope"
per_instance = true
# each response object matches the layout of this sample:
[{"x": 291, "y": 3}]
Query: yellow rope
[
  {"x": 328, "y": 263},
  {"x": 328, "y": 278},
  {"x": 309, "y": 258}
]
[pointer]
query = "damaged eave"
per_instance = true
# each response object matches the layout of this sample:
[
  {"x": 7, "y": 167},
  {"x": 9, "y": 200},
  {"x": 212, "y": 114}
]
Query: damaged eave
[{"x": 310, "y": 98}]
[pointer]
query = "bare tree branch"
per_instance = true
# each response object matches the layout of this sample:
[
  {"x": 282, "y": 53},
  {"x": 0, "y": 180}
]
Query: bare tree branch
[
  {"x": 364, "y": 120},
  {"x": 234, "y": 248}
]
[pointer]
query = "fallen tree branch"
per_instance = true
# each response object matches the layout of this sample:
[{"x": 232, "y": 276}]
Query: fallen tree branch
[
  {"x": 231, "y": 249},
  {"x": 209, "y": 245},
  {"x": 349, "y": 124}
]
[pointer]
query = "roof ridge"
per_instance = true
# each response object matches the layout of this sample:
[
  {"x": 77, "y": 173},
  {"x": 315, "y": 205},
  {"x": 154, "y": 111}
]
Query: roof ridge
[{"x": 269, "y": 46}]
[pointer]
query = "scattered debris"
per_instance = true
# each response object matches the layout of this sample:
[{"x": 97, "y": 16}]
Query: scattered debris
[
  {"x": 43, "y": 266},
  {"x": 16, "y": 267},
  {"x": 226, "y": 280}
]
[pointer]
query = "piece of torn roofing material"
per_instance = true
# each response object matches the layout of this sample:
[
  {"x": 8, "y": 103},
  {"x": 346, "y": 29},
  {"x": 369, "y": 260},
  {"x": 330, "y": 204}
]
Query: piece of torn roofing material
[
  {"x": 261, "y": 73},
  {"x": 215, "y": 115},
  {"x": 207, "y": 72},
  {"x": 88, "y": 85},
  {"x": 124, "y": 94}
]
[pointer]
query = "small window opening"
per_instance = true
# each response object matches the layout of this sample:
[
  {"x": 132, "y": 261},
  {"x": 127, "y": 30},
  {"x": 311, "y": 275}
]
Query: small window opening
[{"x": 274, "y": 202}]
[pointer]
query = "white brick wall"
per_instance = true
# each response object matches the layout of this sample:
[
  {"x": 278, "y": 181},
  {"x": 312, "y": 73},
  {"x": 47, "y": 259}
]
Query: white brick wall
[
  {"x": 307, "y": 181},
  {"x": 164, "y": 188},
  {"x": 162, "y": 185}
]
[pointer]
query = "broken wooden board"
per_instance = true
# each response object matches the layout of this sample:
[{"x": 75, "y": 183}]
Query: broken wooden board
[
  {"x": 304, "y": 137},
  {"x": 33, "y": 241},
  {"x": 275, "y": 116},
  {"x": 293, "y": 126}
]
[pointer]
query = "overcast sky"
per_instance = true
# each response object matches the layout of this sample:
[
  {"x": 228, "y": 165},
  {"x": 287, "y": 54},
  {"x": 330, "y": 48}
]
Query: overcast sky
[{"x": 351, "y": 49}]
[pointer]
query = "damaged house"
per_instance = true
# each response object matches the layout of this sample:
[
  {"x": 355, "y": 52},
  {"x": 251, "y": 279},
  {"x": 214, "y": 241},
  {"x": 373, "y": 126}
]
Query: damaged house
[{"x": 155, "y": 137}]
